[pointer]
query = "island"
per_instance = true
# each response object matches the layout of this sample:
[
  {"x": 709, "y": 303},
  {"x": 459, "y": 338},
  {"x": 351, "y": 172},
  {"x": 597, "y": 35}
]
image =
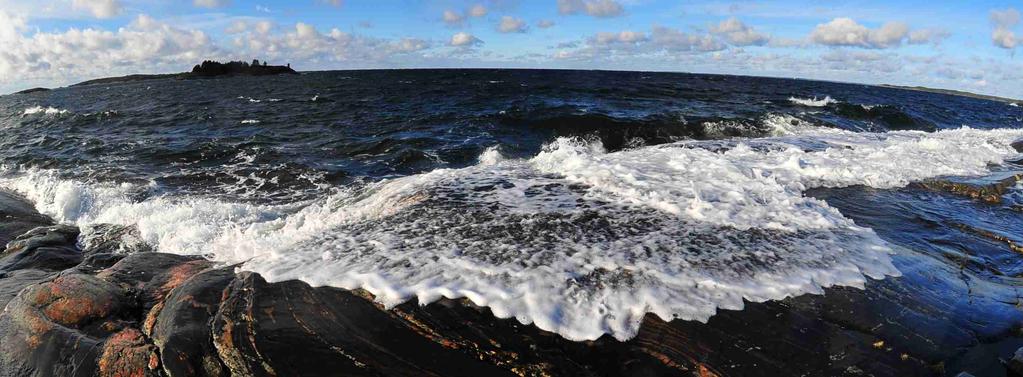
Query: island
[{"x": 206, "y": 69}]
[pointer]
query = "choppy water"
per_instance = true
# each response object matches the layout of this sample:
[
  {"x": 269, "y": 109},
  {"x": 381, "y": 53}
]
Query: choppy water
[{"x": 578, "y": 201}]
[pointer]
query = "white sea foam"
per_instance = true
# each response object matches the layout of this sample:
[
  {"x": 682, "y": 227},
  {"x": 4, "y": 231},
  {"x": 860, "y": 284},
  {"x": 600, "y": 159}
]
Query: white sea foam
[
  {"x": 827, "y": 100},
  {"x": 576, "y": 240},
  {"x": 1013, "y": 104},
  {"x": 250, "y": 121},
  {"x": 44, "y": 110},
  {"x": 491, "y": 156}
]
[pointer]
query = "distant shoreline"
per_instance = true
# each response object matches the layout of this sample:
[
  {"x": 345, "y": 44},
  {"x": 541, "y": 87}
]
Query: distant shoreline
[
  {"x": 191, "y": 75},
  {"x": 952, "y": 92}
]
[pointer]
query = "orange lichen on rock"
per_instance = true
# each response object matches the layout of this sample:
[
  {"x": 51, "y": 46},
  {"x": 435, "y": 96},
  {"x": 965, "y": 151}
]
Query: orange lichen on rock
[
  {"x": 74, "y": 299},
  {"x": 181, "y": 273},
  {"x": 127, "y": 354},
  {"x": 150, "y": 322}
]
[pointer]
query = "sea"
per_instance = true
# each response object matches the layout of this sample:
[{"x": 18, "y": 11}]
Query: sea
[{"x": 578, "y": 201}]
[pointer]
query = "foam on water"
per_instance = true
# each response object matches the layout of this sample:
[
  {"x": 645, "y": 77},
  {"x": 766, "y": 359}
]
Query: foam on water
[
  {"x": 827, "y": 100},
  {"x": 44, "y": 110},
  {"x": 491, "y": 156},
  {"x": 576, "y": 240}
]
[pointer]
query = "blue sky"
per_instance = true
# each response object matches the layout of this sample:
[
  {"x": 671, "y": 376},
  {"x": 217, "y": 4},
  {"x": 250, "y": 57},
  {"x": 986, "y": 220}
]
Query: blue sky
[{"x": 948, "y": 44}]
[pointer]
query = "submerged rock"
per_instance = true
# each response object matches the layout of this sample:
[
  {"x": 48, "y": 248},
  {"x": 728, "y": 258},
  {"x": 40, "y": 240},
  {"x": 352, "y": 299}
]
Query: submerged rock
[{"x": 988, "y": 189}]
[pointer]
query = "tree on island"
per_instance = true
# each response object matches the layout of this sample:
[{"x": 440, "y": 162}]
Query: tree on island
[{"x": 256, "y": 68}]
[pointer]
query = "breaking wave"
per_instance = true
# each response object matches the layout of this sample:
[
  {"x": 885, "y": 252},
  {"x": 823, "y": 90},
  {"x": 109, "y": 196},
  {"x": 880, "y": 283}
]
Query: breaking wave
[
  {"x": 814, "y": 102},
  {"x": 44, "y": 110},
  {"x": 576, "y": 239}
]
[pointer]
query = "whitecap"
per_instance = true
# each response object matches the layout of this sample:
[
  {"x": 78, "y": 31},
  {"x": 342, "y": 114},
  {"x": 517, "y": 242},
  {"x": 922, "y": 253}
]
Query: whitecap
[
  {"x": 813, "y": 102},
  {"x": 491, "y": 156},
  {"x": 44, "y": 110},
  {"x": 576, "y": 240}
]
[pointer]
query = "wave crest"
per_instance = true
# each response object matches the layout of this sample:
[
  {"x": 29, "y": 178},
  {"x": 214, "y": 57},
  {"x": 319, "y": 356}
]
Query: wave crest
[{"x": 577, "y": 240}]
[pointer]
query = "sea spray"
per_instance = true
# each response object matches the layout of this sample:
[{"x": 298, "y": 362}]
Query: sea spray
[{"x": 576, "y": 240}]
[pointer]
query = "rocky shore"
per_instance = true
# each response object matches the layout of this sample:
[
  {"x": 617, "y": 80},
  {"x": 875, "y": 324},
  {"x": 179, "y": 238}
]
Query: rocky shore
[{"x": 107, "y": 306}]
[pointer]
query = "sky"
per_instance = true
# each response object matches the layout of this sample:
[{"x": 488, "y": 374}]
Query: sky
[{"x": 964, "y": 45}]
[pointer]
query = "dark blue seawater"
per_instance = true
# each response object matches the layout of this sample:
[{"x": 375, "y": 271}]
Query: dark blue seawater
[{"x": 577, "y": 200}]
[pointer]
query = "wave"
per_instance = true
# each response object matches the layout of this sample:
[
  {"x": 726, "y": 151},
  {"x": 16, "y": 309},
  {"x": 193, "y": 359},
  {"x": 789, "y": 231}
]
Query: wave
[
  {"x": 827, "y": 100},
  {"x": 576, "y": 239},
  {"x": 618, "y": 133},
  {"x": 891, "y": 117},
  {"x": 44, "y": 110}
]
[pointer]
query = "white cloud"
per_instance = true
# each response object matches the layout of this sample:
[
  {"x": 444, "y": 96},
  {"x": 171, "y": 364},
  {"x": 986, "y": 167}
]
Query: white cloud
[
  {"x": 511, "y": 24},
  {"x": 99, "y": 8},
  {"x": 411, "y": 45},
  {"x": 1004, "y": 21},
  {"x": 305, "y": 31},
  {"x": 847, "y": 32},
  {"x": 623, "y": 37},
  {"x": 543, "y": 24},
  {"x": 595, "y": 8},
  {"x": 1005, "y": 18},
  {"x": 236, "y": 27},
  {"x": 925, "y": 36},
  {"x": 672, "y": 40},
  {"x": 11, "y": 27},
  {"x": 661, "y": 42},
  {"x": 738, "y": 33},
  {"x": 211, "y": 3},
  {"x": 145, "y": 45},
  {"x": 305, "y": 44},
  {"x": 478, "y": 11},
  {"x": 1004, "y": 38},
  {"x": 463, "y": 39},
  {"x": 452, "y": 18}
]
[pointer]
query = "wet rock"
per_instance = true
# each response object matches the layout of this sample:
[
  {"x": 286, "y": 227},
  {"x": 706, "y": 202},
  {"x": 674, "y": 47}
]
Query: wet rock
[
  {"x": 47, "y": 248},
  {"x": 113, "y": 239},
  {"x": 988, "y": 189},
  {"x": 128, "y": 353},
  {"x": 85, "y": 320},
  {"x": 259, "y": 326},
  {"x": 1018, "y": 145},
  {"x": 181, "y": 325},
  {"x": 1015, "y": 365},
  {"x": 56, "y": 328},
  {"x": 11, "y": 283},
  {"x": 153, "y": 275},
  {"x": 17, "y": 216}
]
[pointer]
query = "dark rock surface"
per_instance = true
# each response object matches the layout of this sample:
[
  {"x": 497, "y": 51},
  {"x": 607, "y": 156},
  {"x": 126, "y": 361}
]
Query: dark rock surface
[
  {"x": 17, "y": 216},
  {"x": 102, "y": 309}
]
